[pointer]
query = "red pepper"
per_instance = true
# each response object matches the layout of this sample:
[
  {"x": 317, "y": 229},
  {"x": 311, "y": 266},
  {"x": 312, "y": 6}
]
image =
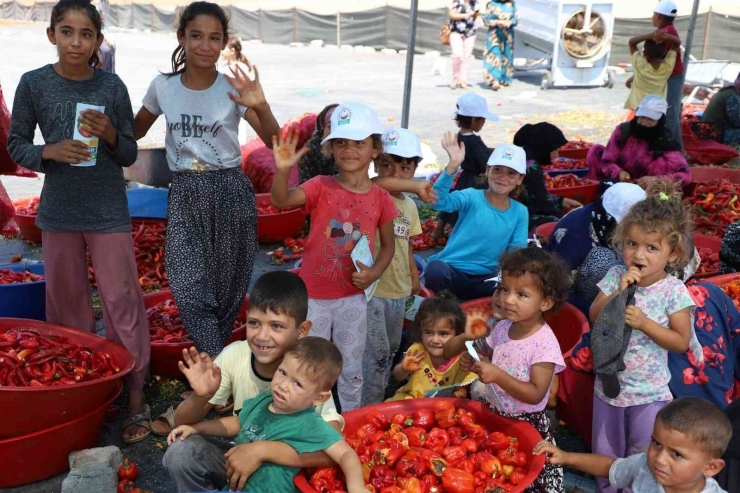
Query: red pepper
[
  {"x": 507, "y": 456},
  {"x": 467, "y": 465},
  {"x": 457, "y": 481},
  {"x": 417, "y": 436},
  {"x": 454, "y": 454},
  {"x": 406, "y": 467},
  {"x": 437, "y": 465},
  {"x": 520, "y": 459},
  {"x": 128, "y": 470},
  {"x": 365, "y": 431},
  {"x": 464, "y": 418},
  {"x": 440, "y": 404},
  {"x": 377, "y": 419},
  {"x": 489, "y": 464},
  {"x": 446, "y": 418},
  {"x": 438, "y": 439},
  {"x": 476, "y": 432},
  {"x": 470, "y": 445},
  {"x": 423, "y": 418},
  {"x": 378, "y": 436},
  {"x": 496, "y": 441},
  {"x": 430, "y": 480},
  {"x": 457, "y": 435},
  {"x": 381, "y": 476},
  {"x": 411, "y": 485},
  {"x": 517, "y": 477}
]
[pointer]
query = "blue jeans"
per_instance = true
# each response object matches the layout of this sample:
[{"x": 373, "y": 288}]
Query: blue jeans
[
  {"x": 674, "y": 97},
  {"x": 439, "y": 276}
]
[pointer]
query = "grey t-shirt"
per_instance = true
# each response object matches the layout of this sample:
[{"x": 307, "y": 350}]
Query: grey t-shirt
[
  {"x": 202, "y": 126},
  {"x": 74, "y": 198},
  {"x": 634, "y": 472}
]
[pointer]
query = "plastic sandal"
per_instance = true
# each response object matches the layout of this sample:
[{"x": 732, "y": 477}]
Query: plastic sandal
[{"x": 143, "y": 419}]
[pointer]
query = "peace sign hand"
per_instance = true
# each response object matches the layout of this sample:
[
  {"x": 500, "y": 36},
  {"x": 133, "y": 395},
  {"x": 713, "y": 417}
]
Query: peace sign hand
[{"x": 250, "y": 91}]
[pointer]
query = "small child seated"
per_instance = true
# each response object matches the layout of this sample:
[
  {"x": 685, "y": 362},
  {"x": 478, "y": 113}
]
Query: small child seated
[
  {"x": 439, "y": 319},
  {"x": 286, "y": 413},
  {"x": 689, "y": 437}
]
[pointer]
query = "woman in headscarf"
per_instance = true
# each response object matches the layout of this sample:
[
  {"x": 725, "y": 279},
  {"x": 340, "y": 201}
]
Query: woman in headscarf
[
  {"x": 583, "y": 239},
  {"x": 498, "y": 59},
  {"x": 315, "y": 162},
  {"x": 723, "y": 111},
  {"x": 541, "y": 143},
  {"x": 641, "y": 150}
]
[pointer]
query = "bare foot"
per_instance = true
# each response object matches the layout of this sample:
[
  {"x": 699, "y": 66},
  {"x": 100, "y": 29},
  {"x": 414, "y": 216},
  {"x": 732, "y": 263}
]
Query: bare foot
[{"x": 135, "y": 406}]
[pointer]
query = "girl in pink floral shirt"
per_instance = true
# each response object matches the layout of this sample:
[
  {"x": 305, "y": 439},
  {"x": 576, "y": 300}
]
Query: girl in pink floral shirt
[
  {"x": 653, "y": 236},
  {"x": 522, "y": 355}
]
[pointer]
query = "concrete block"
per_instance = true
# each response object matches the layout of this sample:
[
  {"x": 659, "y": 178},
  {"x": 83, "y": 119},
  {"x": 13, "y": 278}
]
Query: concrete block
[{"x": 93, "y": 470}]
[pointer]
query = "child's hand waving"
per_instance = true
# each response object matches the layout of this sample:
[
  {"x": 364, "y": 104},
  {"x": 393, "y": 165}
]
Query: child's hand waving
[
  {"x": 476, "y": 326},
  {"x": 203, "y": 375},
  {"x": 412, "y": 360},
  {"x": 284, "y": 150},
  {"x": 182, "y": 431},
  {"x": 455, "y": 150},
  {"x": 250, "y": 91}
]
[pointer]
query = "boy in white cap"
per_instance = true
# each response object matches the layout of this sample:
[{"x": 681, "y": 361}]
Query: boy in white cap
[
  {"x": 386, "y": 310},
  {"x": 489, "y": 223},
  {"x": 344, "y": 209},
  {"x": 663, "y": 16},
  {"x": 472, "y": 113},
  {"x": 659, "y": 60}
]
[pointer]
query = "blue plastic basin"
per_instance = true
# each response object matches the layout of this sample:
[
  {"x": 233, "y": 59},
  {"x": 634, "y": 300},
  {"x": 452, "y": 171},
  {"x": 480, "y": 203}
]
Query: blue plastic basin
[
  {"x": 147, "y": 203},
  {"x": 24, "y": 300}
]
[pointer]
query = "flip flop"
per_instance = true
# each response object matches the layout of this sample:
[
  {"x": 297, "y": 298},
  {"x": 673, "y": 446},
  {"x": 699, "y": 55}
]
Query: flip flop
[
  {"x": 165, "y": 423},
  {"x": 143, "y": 419}
]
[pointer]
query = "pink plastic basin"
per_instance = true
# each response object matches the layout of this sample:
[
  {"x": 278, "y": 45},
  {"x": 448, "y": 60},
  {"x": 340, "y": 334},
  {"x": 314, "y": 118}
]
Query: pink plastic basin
[
  {"x": 36, "y": 456},
  {"x": 274, "y": 228},
  {"x": 525, "y": 433},
  {"x": 166, "y": 355},
  {"x": 29, "y": 409}
]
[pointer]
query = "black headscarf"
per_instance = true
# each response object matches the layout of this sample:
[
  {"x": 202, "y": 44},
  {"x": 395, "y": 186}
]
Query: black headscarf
[
  {"x": 659, "y": 138},
  {"x": 539, "y": 140},
  {"x": 315, "y": 162}
]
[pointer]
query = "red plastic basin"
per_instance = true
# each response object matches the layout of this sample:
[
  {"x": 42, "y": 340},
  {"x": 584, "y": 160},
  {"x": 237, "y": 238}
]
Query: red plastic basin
[
  {"x": 585, "y": 194},
  {"x": 27, "y": 223},
  {"x": 30, "y": 409},
  {"x": 274, "y": 228},
  {"x": 723, "y": 279},
  {"x": 166, "y": 355},
  {"x": 705, "y": 174},
  {"x": 568, "y": 323},
  {"x": 36, "y": 456},
  {"x": 525, "y": 433},
  {"x": 545, "y": 230},
  {"x": 713, "y": 243},
  {"x": 579, "y": 153}
]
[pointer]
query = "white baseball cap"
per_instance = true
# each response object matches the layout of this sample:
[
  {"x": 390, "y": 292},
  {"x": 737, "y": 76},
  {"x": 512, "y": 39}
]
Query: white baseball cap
[
  {"x": 510, "y": 156},
  {"x": 354, "y": 121},
  {"x": 667, "y": 8},
  {"x": 652, "y": 106},
  {"x": 402, "y": 142},
  {"x": 470, "y": 104},
  {"x": 619, "y": 198}
]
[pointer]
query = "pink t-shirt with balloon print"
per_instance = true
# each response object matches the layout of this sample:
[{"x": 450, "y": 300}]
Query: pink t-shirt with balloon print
[{"x": 339, "y": 218}]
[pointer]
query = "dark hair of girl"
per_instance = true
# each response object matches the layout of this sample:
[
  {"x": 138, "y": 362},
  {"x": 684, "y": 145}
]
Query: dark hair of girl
[
  {"x": 464, "y": 121},
  {"x": 442, "y": 306},
  {"x": 179, "y": 61},
  {"x": 64, "y": 6},
  {"x": 236, "y": 45}
]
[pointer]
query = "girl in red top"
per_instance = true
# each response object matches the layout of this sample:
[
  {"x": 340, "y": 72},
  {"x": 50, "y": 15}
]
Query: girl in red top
[{"x": 343, "y": 209}]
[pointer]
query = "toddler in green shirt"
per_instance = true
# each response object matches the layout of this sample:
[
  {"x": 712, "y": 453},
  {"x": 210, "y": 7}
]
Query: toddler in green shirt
[{"x": 286, "y": 413}]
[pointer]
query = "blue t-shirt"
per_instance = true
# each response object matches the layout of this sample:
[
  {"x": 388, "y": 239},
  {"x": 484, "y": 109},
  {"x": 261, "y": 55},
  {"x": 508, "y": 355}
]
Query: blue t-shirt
[
  {"x": 482, "y": 233},
  {"x": 305, "y": 431}
]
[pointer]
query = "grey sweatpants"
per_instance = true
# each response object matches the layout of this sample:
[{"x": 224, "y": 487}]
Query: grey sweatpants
[
  {"x": 384, "y": 327},
  {"x": 197, "y": 463}
]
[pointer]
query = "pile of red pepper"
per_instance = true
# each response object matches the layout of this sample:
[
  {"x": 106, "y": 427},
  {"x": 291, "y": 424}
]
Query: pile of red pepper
[
  {"x": 263, "y": 210},
  {"x": 562, "y": 181},
  {"x": 30, "y": 209},
  {"x": 709, "y": 261},
  {"x": 149, "y": 241},
  {"x": 424, "y": 241},
  {"x": 715, "y": 205},
  {"x": 293, "y": 249},
  {"x": 166, "y": 326},
  {"x": 8, "y": 276},
  {"x": 576, "y": 144},
  {"x": 127, "y": 474},
  {"x": 436, "y": 450},
  {"x": 563, "y": 163},
  {"x": 31, "y": 359},
  {"x": 732, "y": 289}
]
